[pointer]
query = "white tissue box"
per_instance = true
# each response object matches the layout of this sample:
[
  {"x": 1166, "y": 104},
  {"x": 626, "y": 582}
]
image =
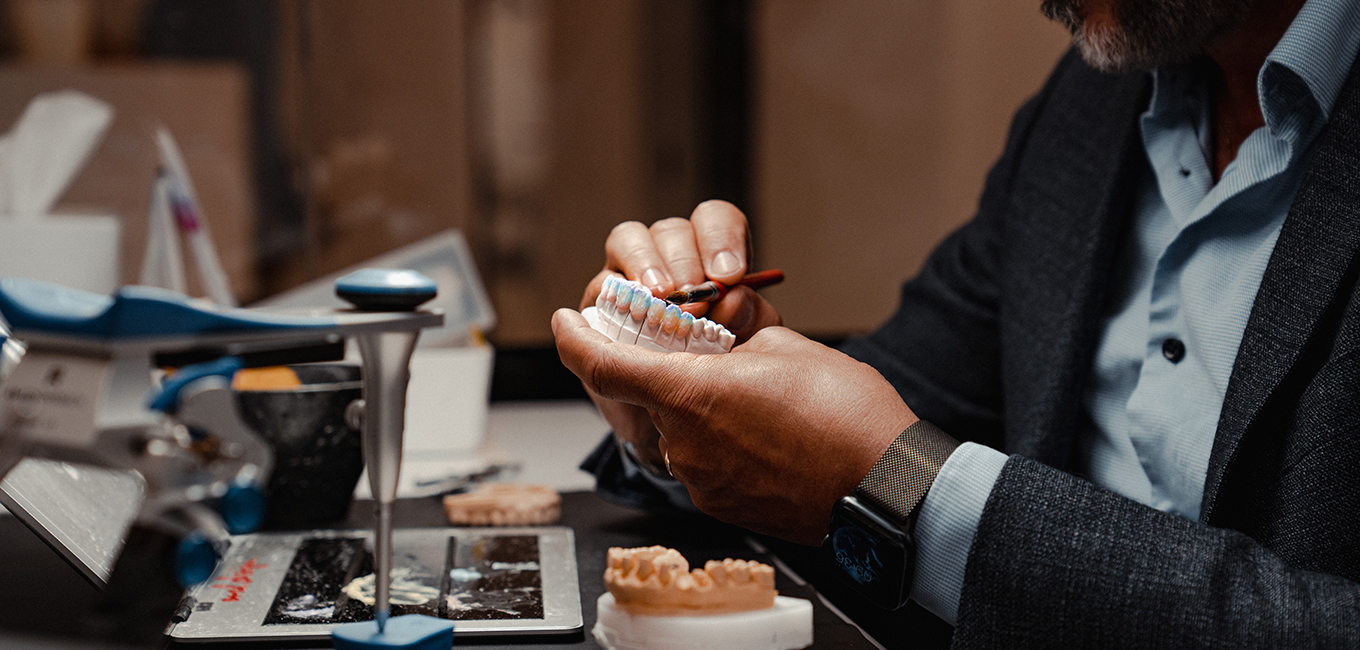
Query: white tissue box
[{"x": 76, "y": 251}]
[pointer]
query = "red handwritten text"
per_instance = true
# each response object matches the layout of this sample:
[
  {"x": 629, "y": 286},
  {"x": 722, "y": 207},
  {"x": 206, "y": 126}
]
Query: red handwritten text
[{"x": 239, "y": 580}]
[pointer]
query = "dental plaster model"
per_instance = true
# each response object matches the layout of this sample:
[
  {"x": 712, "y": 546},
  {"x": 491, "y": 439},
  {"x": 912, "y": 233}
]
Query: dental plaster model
[
  {"x": 657, "y": 581},
  {"x": 628, "y": 312},
  {"x": 654, "y": 600},
  {"x": 504, "y": 504}
]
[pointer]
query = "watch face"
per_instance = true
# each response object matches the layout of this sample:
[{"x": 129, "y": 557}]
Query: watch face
[
  {"x": 874, "y": 555},
  {"x": 857, "y": 555}
]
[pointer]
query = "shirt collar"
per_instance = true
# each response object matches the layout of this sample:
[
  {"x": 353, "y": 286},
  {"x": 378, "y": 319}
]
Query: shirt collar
[
  {"x": 1299, "y": 82},
  {"x": 1316, "y": 52}
]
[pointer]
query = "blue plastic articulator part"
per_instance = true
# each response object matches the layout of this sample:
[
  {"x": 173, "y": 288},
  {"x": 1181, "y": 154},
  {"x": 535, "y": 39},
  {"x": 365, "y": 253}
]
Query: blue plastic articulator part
[
  {"x": 130, "y": 313},
  {"x": 195, "y": 559},
  {"x": 410, "y": 632},
  {"x": 243, "y": 508},
  {"x": 386, "y": 289},
  {"x": 167, "y": 401}
]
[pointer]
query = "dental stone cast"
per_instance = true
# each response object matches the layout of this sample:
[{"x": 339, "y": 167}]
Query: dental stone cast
[
  {"x": 504, "y": 504},
  {"x": 657, "y": 581},
  {"x": 627, "y": 312},
  {"x": 654, "y": 601}
]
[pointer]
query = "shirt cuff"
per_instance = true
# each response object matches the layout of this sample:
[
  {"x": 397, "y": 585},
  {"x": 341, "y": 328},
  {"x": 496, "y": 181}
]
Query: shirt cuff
[{"x": 945, "y": 525}]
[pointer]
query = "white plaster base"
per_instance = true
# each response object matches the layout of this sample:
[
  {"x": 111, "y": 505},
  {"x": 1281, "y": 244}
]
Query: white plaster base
[{"x": 785, "y": 626}]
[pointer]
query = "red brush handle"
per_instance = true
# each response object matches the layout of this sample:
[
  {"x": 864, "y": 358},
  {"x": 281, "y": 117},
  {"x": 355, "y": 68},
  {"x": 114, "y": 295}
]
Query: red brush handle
[{"x": 762, "y": 279}]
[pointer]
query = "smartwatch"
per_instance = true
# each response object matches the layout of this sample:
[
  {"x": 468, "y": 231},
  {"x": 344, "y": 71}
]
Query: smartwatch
[{"x": 871, "y": 543}]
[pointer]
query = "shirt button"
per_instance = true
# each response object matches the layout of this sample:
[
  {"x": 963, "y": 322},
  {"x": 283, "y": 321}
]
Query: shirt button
[{"x": 1173, "y": 350}]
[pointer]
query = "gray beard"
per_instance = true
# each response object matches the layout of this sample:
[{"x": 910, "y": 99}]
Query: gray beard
[{"x": 1147, "y": 33}]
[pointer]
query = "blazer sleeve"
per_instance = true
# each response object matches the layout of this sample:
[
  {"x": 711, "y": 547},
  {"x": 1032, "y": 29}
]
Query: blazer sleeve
[{"x": 1059, "y": 562}]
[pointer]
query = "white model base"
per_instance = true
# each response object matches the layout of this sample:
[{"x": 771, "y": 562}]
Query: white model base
[{"x": 785, "y": 626}]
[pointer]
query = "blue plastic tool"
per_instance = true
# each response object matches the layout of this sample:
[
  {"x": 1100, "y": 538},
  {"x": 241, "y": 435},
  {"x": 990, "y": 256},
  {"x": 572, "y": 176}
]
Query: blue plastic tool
[
  {"x": 410, "y": 632},
  {"x": 243, "y": 508},
  {"x": 131, "y": 313},
  {"x": 167, "y": 401},
  {"x": 386, "y": 289},
  {"x": 195, "y": 559}
]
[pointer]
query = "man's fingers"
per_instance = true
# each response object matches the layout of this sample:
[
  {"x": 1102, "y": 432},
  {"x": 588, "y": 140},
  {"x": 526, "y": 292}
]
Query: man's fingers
[
  {"x": 616, "y": 371},
  {"x": 744, "y": 312},
  {"x": 631, "y": 251},
  {"x": 674, "y": 237},
  {"x": 724, "y": 240}
]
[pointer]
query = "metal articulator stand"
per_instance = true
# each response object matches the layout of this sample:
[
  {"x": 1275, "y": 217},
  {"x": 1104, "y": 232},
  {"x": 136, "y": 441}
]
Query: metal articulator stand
[{"x": 84, "y": 392}]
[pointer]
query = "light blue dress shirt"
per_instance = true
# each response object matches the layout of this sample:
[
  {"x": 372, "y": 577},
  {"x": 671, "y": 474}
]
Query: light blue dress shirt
[{"x": 1186, "y": 282}]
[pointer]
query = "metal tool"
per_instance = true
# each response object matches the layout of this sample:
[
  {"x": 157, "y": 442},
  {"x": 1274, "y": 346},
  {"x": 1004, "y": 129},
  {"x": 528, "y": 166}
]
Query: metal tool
[
  {"x": 464, "y": 481},
  {"x": 84, "y": 392},
  {"x": 387, "y": 370}
]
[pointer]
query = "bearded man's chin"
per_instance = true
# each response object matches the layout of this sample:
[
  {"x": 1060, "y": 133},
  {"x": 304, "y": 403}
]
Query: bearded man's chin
[{"x": 1147, "y": 33}]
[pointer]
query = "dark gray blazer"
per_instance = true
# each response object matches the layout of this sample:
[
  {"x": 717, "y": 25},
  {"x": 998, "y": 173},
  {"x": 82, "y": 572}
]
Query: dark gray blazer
[{"x": 993, "y": 343}]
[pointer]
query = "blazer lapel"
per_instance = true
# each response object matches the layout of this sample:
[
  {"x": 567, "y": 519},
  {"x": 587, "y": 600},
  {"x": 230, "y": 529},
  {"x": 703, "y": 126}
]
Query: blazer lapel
[
  {"x": 1067, "y": 241},
  {"x": 1317, "y": 246}
]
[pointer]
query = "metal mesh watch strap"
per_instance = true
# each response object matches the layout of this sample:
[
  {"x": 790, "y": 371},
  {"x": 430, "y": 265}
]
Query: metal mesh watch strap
[{"x": 903, "y": 474}]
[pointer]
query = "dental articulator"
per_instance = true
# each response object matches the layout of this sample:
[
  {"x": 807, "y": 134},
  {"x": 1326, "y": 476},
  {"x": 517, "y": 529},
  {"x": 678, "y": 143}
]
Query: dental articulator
[{"x": 82, "y": 388}]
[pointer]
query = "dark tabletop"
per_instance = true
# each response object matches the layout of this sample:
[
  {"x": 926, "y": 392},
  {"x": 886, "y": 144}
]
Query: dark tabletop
[{"x": 41, "y": 595}]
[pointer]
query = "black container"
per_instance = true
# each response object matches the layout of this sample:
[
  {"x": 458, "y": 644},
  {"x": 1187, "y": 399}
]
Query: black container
[{"x": 318, "y": 456}]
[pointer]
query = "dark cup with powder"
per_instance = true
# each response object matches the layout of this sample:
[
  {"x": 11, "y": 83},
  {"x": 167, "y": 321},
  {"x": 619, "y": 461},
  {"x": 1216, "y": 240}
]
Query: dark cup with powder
[{"x": 314, "y": 429}]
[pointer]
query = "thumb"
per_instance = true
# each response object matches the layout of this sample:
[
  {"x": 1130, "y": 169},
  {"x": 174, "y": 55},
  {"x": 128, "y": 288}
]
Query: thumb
[{"x": 613, "y": 370}]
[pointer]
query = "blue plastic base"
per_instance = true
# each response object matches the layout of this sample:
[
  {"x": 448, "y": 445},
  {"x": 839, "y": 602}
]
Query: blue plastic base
[{"x": 413, "y": 631}]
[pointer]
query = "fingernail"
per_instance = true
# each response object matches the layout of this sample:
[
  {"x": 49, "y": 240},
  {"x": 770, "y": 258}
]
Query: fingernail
[
  {"x": 652, "y": 279},
  {"x": 724, "y": 263}
]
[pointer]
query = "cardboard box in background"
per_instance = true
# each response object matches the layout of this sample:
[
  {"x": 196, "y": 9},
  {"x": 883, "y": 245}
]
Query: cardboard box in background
[
  {"x": 373, "y": 98},
  {"x": 204, "y": 106}
]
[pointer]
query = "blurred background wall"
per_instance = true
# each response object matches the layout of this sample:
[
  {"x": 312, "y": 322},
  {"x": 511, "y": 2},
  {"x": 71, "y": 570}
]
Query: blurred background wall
[
  {"x": 320, "y": 133},
  {"x": 876, "y": 122}
]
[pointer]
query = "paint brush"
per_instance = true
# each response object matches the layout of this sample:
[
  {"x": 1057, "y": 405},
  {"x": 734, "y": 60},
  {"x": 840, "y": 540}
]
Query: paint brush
[{"x": 713, "y": 291}]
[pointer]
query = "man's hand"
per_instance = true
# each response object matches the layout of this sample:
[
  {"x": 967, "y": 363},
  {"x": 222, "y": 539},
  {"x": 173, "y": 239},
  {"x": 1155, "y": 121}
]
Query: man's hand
[
  {"x": 713, "y": 244},
  {"x": 768, "y": 436}
]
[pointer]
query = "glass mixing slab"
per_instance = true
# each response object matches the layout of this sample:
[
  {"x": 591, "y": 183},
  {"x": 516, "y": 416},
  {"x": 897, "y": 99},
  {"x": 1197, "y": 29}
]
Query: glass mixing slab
[{"x": 297, "y": 586}]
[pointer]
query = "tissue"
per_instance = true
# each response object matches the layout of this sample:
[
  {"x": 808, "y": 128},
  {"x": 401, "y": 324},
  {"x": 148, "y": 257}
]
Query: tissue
[
  {"x": 52, "y": 140},
  {"x": 39, "y": 157}
]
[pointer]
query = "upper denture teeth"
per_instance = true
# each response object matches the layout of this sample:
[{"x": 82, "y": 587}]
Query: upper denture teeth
[
  {"x": 685, "y": 325},
  {"x": 642, "y": 300},
  {"x": 671, "y": 319},
  {"x": 629, "y": 313},
  {"x": 655, "y": 311}
]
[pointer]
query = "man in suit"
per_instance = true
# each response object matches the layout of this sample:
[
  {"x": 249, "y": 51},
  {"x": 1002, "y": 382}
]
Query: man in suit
[{"x": 1148, "y": 340}]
